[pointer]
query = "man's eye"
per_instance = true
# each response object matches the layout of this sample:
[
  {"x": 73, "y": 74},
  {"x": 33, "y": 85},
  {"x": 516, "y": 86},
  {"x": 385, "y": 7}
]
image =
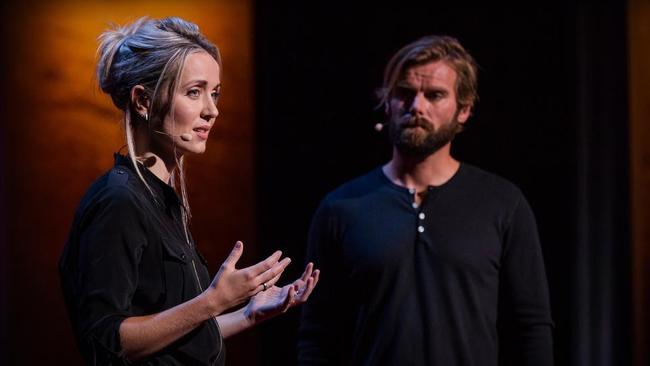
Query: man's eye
[{"x": 433, "y": 95}]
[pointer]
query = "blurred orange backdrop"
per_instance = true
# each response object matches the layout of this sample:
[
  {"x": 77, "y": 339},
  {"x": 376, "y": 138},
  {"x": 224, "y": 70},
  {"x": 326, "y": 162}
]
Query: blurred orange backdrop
[{"x": 61, "y": 131}]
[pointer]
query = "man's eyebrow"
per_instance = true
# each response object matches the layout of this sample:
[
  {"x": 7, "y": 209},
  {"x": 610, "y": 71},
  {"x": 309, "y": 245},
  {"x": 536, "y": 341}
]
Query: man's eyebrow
[
  {"x": 436, "y": 89},
  {"x": 403, "y": 84}
]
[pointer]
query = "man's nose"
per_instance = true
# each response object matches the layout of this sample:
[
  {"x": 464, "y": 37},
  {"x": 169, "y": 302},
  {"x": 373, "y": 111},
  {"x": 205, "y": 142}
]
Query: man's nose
[{"x": 417, "y": 104}]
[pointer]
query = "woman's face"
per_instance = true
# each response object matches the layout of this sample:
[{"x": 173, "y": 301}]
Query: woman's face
[{"x": 194, "y": 106}]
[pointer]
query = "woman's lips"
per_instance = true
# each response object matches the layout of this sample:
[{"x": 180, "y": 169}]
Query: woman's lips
[{"x": 202, "y": 132}]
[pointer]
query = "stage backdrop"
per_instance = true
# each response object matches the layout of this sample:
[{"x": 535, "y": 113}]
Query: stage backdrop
[
  {"x": 60, "y": 132},
  {"x": 552, "y": 118}
]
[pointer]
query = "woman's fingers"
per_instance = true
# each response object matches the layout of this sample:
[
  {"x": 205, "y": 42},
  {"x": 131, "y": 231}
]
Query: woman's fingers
[
  {"x": 271, "y": 273},
  {"x": 305, "y": 291},
  {"x": 264, "y": 265},
  {"x": 308, "y": 270},
  {"x": 289, "y": 300},
  {"x": 316, "y": 276},
  {"x": 273, "y": 280},
  {"x": 234, "y": 255}
]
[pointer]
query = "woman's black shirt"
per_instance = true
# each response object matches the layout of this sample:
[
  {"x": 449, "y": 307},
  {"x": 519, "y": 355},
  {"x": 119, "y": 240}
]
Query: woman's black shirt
[{"x": 128, "y": 255}]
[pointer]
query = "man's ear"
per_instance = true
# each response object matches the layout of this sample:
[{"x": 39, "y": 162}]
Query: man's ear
[
  {"x": 465, "y": 112},
  {"x": 140, "y": 101}
]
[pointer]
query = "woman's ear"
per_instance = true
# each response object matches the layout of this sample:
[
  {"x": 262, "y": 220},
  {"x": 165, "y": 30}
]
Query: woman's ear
[{"x": 140, "y": 101}]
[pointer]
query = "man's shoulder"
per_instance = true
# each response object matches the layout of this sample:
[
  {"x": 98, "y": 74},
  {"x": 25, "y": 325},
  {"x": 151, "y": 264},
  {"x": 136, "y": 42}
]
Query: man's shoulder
[
  {"x": 357, "y": 187},
  {"x": 481, "y": 180}
]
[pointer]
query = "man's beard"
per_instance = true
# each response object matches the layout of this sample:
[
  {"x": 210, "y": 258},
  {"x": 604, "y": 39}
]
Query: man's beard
[{"x": 417, "y": 137}]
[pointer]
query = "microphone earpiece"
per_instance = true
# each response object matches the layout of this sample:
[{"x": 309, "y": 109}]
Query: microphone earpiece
[
  {"x": 184, "y": 136},
  {"x": 379, "y": 126}
]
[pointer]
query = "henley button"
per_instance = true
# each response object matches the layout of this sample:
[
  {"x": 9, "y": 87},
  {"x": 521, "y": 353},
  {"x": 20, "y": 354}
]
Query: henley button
[
  {"x": 421, "y": 229},
  {"x": 183, "y": 256},
  {"x": 120, "y": 172},
  {"x": 415, "y": 205},
  {"x": 411, "y": 190},
  {"x": 421, "y": 216}
]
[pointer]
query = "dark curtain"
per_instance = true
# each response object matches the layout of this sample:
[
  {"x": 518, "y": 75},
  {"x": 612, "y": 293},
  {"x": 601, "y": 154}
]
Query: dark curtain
[
  {"x": 601, "y": 308},
  {"x": 4, "y": 270},
  {"x": 552, "y": 118}
]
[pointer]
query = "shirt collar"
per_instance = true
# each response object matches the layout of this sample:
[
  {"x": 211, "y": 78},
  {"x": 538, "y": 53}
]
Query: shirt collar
[{"x": 162, "y": 190}]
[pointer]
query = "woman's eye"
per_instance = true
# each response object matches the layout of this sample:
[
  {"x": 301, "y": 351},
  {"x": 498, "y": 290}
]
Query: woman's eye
[
  {"x": 194, "y": 92},
  {"x": 215, "y": 95}
]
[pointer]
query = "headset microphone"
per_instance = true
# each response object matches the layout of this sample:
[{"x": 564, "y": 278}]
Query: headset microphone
[
  {"x": 380, "y": 126},
  {"x": 184, "y": 136}
]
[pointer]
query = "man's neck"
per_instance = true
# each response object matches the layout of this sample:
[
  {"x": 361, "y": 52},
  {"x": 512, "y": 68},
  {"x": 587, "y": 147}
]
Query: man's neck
[{"x": 420, "y": 172}]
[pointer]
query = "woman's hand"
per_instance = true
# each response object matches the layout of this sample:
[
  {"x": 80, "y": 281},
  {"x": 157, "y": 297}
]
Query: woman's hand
[
  {"x": 276, "y": 300},
  {"x": 232, "y": 286}
]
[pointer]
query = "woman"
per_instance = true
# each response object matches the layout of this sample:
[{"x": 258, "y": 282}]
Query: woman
[{"x": 137, "y": 289}]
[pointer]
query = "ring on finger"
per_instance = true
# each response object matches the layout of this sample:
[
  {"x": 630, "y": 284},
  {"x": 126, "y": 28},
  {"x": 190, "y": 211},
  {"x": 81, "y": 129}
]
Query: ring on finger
[{"x": 264, "y": 287}]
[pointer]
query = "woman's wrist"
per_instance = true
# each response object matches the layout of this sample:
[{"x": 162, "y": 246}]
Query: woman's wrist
[
  {"x": 235, "y": 322},
  {"x": 248, "y": 316},
  {"x": 213, "y": 307}
]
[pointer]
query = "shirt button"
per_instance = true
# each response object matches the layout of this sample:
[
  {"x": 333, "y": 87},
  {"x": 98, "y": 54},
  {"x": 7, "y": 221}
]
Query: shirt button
[
  {"x": 120, "y": 172},
  {"x": 414, "y": 204},
  {"x": 183, "y": 256},
  {"x": 421, "y": 216},
  {"x": 421, "y": 229},
  {"x": 411, "y": 190}
]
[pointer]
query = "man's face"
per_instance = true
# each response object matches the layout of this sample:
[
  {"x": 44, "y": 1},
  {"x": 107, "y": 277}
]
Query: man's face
[{"x": 423, "y": 109}]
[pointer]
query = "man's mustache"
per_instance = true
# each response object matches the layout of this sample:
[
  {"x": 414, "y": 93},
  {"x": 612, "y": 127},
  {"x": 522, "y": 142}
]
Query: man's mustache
[{"x": 414, "y": 121}]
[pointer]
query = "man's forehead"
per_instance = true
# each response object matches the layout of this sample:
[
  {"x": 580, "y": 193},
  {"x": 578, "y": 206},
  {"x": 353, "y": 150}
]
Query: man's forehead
[{"x": 438, "y": 70}]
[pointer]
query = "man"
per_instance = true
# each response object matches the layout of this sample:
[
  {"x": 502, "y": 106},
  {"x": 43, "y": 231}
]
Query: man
[{"x": 426, "y": 260}]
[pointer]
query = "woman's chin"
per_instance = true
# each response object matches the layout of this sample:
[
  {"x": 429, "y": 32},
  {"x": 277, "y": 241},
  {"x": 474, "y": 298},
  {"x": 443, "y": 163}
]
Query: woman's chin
[{"x": 191, "y": 148}]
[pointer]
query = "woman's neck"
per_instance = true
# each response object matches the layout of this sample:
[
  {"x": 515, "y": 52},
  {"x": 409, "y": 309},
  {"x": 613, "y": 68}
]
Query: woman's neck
[
  {"x": 161, "y": 168},
  {"x": 156, "y": 156}
]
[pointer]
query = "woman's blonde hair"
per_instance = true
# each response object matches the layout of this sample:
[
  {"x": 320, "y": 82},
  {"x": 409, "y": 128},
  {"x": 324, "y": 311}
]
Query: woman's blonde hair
[{"x": 151, "y": 53}]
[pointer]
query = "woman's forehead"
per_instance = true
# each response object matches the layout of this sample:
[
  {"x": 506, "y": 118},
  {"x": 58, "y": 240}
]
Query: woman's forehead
[{"x": 200, "y": 66}]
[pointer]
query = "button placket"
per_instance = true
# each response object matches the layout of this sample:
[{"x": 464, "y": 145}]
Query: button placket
[{"x": 414, "y": 203}]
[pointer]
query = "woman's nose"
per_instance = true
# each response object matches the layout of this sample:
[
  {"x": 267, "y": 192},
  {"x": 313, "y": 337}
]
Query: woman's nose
[{"x": 210, "y": 109}]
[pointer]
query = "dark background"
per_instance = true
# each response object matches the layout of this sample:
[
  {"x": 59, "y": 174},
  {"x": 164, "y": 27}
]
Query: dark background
[{"x": 552, "y": 118}]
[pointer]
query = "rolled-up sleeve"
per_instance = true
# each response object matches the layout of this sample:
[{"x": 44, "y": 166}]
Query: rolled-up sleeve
[{"x": 109, "y": 244}]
